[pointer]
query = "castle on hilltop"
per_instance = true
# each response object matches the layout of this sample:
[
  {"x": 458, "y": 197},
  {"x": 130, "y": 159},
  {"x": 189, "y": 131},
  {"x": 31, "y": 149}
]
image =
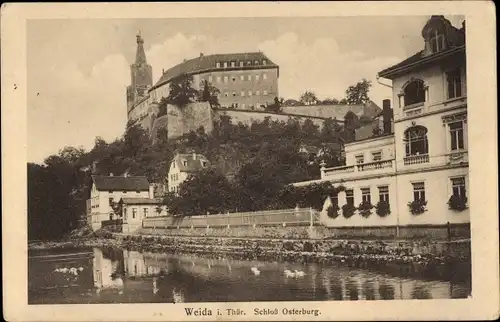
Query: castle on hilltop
[{"x": 248, "y": 82}]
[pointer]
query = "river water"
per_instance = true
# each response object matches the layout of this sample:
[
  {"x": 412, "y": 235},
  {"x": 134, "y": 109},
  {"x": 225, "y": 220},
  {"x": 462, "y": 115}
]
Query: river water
[{"x": 122, "y": 276}]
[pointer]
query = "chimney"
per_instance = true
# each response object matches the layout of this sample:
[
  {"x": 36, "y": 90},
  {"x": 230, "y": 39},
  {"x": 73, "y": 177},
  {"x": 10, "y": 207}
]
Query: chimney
[
  {"x": 387, "y": 116},
  {"x": 151, "y": 191}
]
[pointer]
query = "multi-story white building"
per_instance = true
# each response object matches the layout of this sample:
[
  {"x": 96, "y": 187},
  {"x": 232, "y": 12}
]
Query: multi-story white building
[
  {"x": 181, "y": 166},
  {"x": 130, "y": 198},
  {"x": 423, "y": 164}
]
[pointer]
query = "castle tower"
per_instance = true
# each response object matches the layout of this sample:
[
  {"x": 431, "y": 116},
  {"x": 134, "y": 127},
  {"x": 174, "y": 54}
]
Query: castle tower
[{"x": 141, "y": 75}]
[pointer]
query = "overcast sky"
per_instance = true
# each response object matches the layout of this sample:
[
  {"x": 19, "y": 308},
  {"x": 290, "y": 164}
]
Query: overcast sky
[{"x": 78, "y": 70}]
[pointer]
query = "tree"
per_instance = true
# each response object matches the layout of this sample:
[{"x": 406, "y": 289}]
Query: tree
[
  {"x": 181, "y": 91},
  {"x": 162, "y": 107},
  {"x": 343, "y": 101},
  {"x": 202, "y": 192},
  {"x": 330, "y": 101},
  {"x": 275, "y": 107},
  {"x": 351, "y": 123},
  {"x": 308, "y": 98},
  {"x": 209, "y": 93},
  {"x": 358, "y": 94}
]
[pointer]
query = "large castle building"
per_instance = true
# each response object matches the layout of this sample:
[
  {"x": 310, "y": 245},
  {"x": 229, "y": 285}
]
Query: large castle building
[{"x": 245, "y": 81}]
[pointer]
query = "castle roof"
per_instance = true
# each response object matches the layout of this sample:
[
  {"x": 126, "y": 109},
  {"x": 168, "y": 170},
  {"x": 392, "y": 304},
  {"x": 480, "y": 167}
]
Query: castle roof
[
  {"x": 206, "y": 63},
  {"x": 190, "y": 162},
  {"x": 129, "y": 183}
]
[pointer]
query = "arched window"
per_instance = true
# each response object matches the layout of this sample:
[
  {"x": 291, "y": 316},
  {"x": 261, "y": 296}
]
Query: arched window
[
  {"x": 414, "y": 92},
  {"x": 416, "y": 141}
]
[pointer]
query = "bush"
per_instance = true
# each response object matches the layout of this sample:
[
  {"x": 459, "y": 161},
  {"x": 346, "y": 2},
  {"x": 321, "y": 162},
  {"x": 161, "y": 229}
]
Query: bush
[
  {"x": 417, "y": 207},
  {"x": 458, "y": 203},
  {"x": 333, "y": 211},
  {"x": 365, "y": 208},
  {"x": 383, "y": 208},
  {"x": 348, "y": 210}
]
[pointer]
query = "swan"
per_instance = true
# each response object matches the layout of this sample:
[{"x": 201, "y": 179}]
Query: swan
[
  {"x": 80, "y": 268},
  {"x": 289, "y": 273},
  {"x": 255, "y": 270},
  {"x": 299, "y": 273}
]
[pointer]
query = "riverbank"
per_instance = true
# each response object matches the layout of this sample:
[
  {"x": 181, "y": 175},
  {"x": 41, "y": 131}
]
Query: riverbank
[{"x": 413, "y": 257}]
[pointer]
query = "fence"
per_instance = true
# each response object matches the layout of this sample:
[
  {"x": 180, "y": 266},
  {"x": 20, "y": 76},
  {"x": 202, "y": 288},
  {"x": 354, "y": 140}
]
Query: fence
[{"x": 286, "y": 217}]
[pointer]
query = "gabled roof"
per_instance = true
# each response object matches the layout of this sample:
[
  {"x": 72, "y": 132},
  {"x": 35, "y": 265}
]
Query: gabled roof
[
  {"x": 129, "y": 183},
  {"x": 208, "y": 62},
  {"x": 141, "y": 201},
  {"x": 190, "y": 162}
]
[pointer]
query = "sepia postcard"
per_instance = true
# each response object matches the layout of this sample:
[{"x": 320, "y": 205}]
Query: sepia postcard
[{"x": 249, "y": 161}]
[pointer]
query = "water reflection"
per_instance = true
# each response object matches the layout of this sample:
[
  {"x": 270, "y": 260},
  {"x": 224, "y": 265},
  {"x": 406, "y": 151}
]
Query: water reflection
[{"x": 132, "y": 277}]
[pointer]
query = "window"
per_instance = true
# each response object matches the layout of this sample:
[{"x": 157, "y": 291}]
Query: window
[
  {"x": 418, "y": 191},
  {"x": 234, "y": 79},
  {"x": 243, "y": 105},
  {"x": 203, "y": 163},
  {"x": 218, "y": 79},
  {"x": 360, "y": 159},
  {"x": 458, "y": 187},
  {"x": 234, "y": 93},
  {"x": 233, "y": 64},
  {"x": 242, "y": 93},
  {"x": 249, "y": 77},
  {"x": 257, "y": 77},
  {"x": 414, "y": 92},
  {"x": 110, "y": 191},
  {"x": 249, "y": 63},
  {"x": 376, "y": 156},
  {"x": 256, "y": 62},
  {"x": 265, "y": 92},
  {"x": 249, "y": 93},
  {"x": 226, "y": 79},
  {"x": 217, "y": 65},
  {"x": 209, "y": 78},
  {"x": 125, "y": 213},
  {"x": 454, "y": 83},
  {"x": 264, "y": 76},
  {"x": 457, "y": 135},
  {"x": 365, "y": 195},
  {"x": 349, "y": 195},
  {"x": 110, "y": 201},
  {"x": 185, "y": 163},
  {"x": 226, "y": 94},
  {"x": 383, "y": 193},
  {"x": 145, "y": 212},
  {"x": 134, "y": 212},
  {"x": 124, "y": 192},
  {"x": 257, "y": 93},
  {"x": 242, "y": 77},
  {"x": 225, "y": 64},
  {"x": 241, "y": 64},
  {"x": 416, "y": 141},
  {"x": 437, "y": 42},
  {"x": 264, "y": 62}
]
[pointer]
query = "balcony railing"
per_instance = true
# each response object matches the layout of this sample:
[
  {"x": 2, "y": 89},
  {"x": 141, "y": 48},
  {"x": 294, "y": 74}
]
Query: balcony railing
[
  {"x": 416, "y": 159},
  {"x": 346, "y": 171},
  {"x": 374, "y": 165}
]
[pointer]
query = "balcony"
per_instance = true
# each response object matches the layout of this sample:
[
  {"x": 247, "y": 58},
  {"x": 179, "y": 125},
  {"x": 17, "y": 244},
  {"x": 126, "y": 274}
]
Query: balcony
[
  {"x": 358, "y": 170},
  {"x": 416, "y": 159}
]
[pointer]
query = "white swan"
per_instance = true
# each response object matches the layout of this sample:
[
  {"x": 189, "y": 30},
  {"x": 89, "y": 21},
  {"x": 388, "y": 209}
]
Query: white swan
[
  {"x": 299, "y": 273},
  {"x": 289, "y": 273},
  {"x": 255, "y": 270}
]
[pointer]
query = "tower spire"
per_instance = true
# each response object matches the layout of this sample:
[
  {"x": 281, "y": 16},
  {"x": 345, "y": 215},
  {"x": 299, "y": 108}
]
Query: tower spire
[{"x": 140, "y": 56}]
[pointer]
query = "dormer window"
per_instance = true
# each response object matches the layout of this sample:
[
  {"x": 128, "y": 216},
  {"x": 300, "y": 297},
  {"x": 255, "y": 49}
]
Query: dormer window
[
  {"x": 437, "y": 42},
  {"x": 241, "y": 64},
  {"x": 414, "y": 92},
  {"x": 217, "y": 65},
  {"x": 264, "y": 62},
  {"x": 225, "y": 64},
  {"x": 249, "y": 63},
  {"x": 256, "y": 62},
  {"x": 203, "y": 164},
  {"x": 233, "y": 64}
]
